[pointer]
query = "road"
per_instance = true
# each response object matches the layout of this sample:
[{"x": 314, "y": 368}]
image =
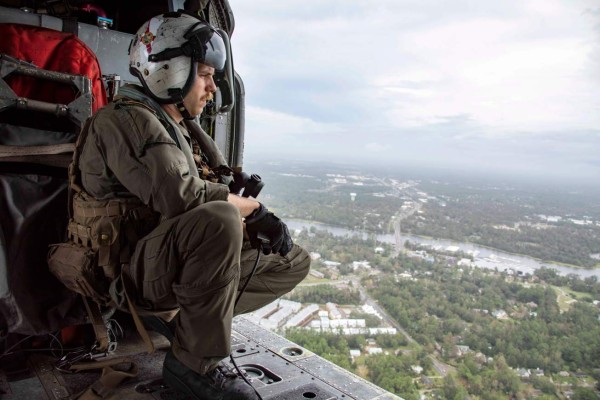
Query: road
[
  {"x": 366, "y": 299},
  {"x": 441, "y": 368}
]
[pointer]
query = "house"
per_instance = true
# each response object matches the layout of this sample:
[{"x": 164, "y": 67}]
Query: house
[
  {"x": 427, "y": 382},
  {"x": 462, "y": 350},
  {"x": 538, "y": 372},
  {"x": 417, "y": 369},
  {"x": 354, "y": 353},
  {"x": 360, "y": 264},
  {"x": 405, "y": 275},
  {"x": 524, "y": 373},
  {"x": 500, "y": 314}
]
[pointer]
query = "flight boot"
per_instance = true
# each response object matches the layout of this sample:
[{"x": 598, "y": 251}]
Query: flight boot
[{"x": 220, "y": 383}]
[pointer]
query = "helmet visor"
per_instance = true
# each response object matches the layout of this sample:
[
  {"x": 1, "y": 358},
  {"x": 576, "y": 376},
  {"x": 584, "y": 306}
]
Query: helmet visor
[{"x": 208, "y": 46}]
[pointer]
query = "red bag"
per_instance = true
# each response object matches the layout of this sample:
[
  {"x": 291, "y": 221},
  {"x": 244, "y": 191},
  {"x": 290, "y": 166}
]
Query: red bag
[{"x": 55, "y": 51}]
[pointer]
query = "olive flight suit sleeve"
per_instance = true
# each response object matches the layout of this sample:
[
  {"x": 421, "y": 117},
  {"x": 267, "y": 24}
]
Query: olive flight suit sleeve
[{"x": 138, "y": 150}]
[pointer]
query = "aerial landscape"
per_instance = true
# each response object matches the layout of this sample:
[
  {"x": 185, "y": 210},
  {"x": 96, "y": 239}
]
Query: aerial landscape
[
  {"x": 443, "y": 287},
  {"x": 428, "y": 227}
]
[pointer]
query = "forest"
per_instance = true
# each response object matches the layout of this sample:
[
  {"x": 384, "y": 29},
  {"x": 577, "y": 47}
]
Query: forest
[{"x": 443, "y": 308}]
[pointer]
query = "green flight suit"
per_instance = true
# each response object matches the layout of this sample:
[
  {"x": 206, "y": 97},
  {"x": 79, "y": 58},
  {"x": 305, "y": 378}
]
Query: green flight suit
[{"x": 195, "y": 258}]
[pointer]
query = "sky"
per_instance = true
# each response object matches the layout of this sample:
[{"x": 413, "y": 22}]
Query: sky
[{"x": 510, "y": 86}]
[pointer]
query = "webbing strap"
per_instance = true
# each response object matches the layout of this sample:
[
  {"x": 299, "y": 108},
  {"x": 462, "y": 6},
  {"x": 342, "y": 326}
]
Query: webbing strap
[
  {"x": 98, "y": 324},
  {"x": 74, "y": 171},
  {"x": 15, "y": 151},
  {"x": 112, "y": 209},
  {"x": 139, "y": 324},
  {"x": 110, "y": 379}
]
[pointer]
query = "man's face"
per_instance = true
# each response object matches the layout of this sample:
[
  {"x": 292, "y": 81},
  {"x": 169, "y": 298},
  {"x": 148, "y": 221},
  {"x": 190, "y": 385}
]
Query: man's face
[{"x": 201, "y": 91}]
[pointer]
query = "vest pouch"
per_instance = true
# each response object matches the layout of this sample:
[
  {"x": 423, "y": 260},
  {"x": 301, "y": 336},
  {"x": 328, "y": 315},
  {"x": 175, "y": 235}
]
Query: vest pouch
[{"x": 76, "y": 267}]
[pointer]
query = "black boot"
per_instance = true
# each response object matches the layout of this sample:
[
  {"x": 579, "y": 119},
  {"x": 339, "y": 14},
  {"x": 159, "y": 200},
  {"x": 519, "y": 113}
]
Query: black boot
[{"x": 219, "y": 384}]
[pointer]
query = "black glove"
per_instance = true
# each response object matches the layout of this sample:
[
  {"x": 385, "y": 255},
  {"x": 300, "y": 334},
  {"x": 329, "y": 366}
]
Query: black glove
[{"x": 265, "y": 228}]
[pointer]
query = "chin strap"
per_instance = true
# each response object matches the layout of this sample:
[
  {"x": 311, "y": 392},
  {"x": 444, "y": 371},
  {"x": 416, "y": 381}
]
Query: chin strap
[
  {"x": 177, "y": 96},
  {"x": 184, "y": 112}
]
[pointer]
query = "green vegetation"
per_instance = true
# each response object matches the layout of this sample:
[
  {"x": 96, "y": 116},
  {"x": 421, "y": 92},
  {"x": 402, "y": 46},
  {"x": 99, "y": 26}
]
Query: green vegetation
[
  {"x": 451, "y": 308},
  {"x": 390, "y": 371},
  {"x": 322, "y": 294},
  {"x": 443, "y": 308},
  {"x": 502, "y": 217}
]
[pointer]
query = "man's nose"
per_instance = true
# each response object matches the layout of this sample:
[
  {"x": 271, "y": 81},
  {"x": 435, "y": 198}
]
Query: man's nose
[{"x": 212, "y": 87}]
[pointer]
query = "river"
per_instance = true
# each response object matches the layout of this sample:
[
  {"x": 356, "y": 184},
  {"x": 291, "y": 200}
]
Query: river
[{"x": 483, "y": 257}]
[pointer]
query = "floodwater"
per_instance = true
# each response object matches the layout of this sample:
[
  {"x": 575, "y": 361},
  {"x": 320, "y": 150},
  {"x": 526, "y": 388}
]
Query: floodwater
[{"x": 483, "y": 256}]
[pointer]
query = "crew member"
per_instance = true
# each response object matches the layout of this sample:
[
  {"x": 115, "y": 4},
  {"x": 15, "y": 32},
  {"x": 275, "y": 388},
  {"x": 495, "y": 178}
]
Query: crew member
[{"x": 192, "y": 254}]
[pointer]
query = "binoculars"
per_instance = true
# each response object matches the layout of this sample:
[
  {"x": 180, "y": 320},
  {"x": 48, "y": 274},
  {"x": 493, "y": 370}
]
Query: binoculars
[{"x": 250, "y": 184}]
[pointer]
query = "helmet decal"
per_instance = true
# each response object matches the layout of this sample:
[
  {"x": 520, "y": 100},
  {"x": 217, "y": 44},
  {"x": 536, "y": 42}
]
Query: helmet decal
[{"x": 147, "y": 38}]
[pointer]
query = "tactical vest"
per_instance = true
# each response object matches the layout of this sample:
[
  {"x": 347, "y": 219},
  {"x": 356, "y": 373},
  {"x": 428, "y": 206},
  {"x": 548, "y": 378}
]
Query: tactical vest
[{"x": 102, "y": 235}]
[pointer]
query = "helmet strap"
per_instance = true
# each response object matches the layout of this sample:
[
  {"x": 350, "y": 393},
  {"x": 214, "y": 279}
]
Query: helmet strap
[
  {"x": 183, "y": 111},
  {"x": 177, "y": 96}
]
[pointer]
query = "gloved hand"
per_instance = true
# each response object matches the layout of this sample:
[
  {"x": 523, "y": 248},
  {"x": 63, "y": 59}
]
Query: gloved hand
[{"x": 263, "y": 223}]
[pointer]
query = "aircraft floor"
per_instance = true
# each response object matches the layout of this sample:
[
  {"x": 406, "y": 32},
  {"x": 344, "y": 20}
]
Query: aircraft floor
[{"x": 277, "y": 368}]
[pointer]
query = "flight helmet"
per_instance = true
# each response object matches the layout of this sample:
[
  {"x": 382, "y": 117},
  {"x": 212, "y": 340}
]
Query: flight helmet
[{"x": 166, "y": 50}]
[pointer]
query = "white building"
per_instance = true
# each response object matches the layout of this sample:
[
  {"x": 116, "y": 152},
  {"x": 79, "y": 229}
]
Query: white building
[
  {"x": 417, "y": 369},
  {"x": 348, "y": 323},
  {"x": 360, "y": 264},
  {"x": 265, "y": 311},
  {"x": 331, "y": 263},
  {"x": 304, "y": 315},
  {"x": 317, "y": 274},
  {"x": 384, "y": 331},
  {"x": 280, "y": 316},
  {"x": 334, "y": 313}
]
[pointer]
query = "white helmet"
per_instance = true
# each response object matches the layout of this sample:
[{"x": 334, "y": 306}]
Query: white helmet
[{"x": 166, "y": 50}]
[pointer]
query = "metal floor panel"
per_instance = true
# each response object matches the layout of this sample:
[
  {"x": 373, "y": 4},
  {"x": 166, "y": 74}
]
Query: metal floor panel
[{"x": 278, "y": 369}]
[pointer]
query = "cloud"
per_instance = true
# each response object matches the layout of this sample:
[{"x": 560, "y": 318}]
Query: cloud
[
  {"x": 467, "y": 82},
  {"x": 376, "y": 147}
]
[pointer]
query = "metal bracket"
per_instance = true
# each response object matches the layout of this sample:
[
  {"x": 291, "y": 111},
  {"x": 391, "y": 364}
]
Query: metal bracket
[{"x": 78, "y": 110}]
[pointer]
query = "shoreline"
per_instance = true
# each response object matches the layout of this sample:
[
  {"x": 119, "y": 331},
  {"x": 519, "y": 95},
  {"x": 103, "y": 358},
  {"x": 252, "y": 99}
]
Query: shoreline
[{"x": 551, "y": 262}]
